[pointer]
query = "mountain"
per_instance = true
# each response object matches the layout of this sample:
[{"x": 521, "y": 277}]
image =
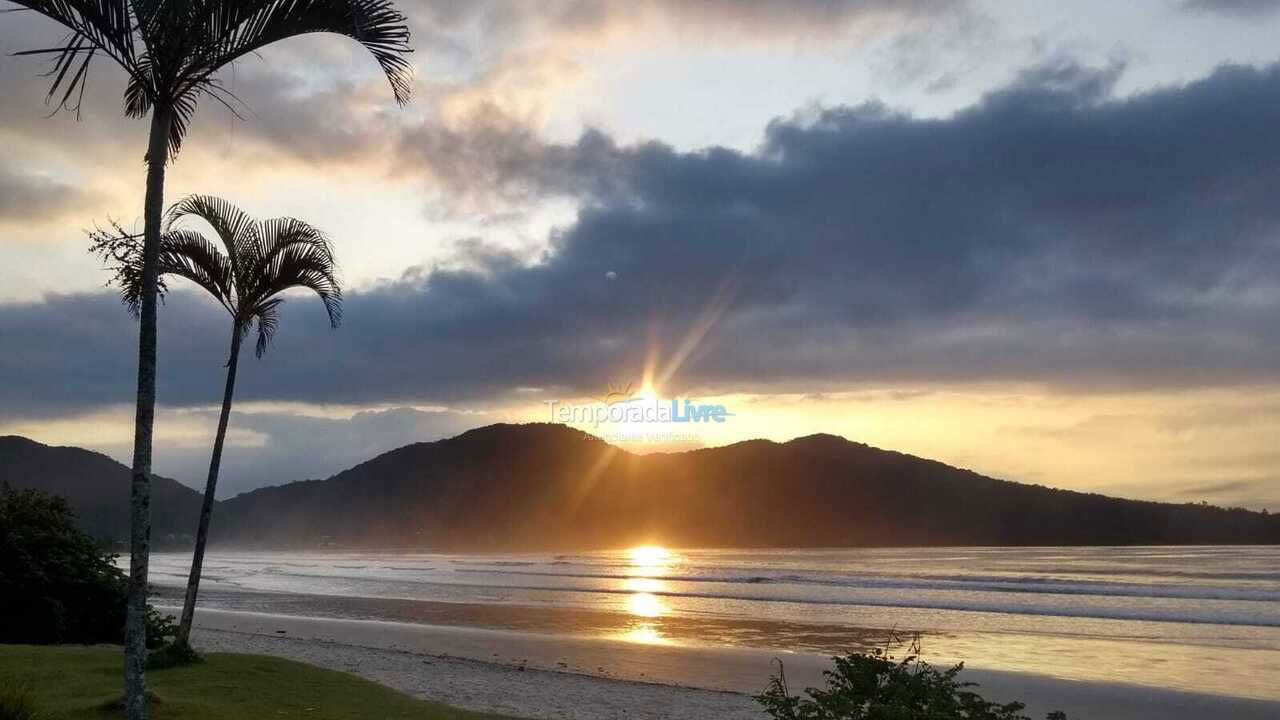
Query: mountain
[
  {"x": 538, "y": 486},
  {"x": 97, "y": 488},
  {"x": 525, "y": 487}
]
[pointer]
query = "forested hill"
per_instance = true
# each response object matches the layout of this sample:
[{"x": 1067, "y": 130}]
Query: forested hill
[
  {"x": 97, "y": 488},
  {"x": 526, "y": 487},
  {"x": 541, "y": 486}
]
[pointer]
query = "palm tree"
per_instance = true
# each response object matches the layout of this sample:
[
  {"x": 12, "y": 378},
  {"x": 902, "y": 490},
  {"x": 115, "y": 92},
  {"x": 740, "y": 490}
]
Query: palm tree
[
  {"x": 258, "y": 262},
  {"x": 171, "y": 53}
]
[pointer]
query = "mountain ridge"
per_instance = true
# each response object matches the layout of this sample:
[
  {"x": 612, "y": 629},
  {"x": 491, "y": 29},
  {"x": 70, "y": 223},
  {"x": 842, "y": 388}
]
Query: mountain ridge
[
  {"x": 544, "y": 486},
  {"x": 97, "y": 488}
]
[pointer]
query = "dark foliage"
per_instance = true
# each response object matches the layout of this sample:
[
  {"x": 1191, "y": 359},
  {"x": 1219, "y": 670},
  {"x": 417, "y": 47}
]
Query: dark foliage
[
  {"x": 57, "y": 584},
  {"x": 160, "y": 629},
  {"x": 878, "y": 687}
]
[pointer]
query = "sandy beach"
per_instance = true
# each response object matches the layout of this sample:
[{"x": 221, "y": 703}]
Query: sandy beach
[{"x": 545, "y": 676}]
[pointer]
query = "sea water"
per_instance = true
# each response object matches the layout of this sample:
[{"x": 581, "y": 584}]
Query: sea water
[{"x": 1188, "y": 618}]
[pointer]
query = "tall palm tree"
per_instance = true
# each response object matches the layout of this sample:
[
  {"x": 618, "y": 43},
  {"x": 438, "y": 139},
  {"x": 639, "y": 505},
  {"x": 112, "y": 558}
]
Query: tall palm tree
[
  {"x": 259, "y": 261},
  {"x": 171, "y": 52}
]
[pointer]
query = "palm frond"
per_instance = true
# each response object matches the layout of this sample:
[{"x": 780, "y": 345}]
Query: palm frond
[
  {"x": 184, "y": 253},
  {"x": 234, "y": 227},
  {"x": 295, "y": 254},
  {"x": 188, "y": 254},
  {"x": 173, "y": 50},
  {"x": 277, "y": 235},
  {"x": 94, "y": 26},
  {"x": 236, "y": 28},
  {"x": 262, "y": 261},
  {"x": 267, "y": 319}
]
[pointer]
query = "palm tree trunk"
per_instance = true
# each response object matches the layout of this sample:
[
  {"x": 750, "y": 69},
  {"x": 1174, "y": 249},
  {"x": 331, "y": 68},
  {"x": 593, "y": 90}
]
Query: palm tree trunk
[
  {"x": 135, "y": 634},
  {"x": 206, "y": 509}
]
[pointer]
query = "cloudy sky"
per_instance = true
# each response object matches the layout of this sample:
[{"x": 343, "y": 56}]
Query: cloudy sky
[{"x": 1037, "y": 239}]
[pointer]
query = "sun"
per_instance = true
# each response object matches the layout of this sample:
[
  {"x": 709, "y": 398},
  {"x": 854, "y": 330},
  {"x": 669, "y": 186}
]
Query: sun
[
  {"x": 649, "y": 555},
  {"x": 648, "y": 392}
]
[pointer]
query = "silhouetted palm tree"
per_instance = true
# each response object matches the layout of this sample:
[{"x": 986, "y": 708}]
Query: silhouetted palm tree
[
  {"x": 171, "y": 52},
  {"x": 258, "y": 262}
]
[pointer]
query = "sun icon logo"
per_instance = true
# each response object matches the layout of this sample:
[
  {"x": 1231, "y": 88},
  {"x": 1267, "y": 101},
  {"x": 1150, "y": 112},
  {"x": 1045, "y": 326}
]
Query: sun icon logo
[{"x": 617, "y": 394}]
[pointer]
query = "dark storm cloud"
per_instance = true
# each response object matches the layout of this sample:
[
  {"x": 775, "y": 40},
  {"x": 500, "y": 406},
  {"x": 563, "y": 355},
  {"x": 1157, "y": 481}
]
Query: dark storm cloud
[{"x": 1048, "y": 233}]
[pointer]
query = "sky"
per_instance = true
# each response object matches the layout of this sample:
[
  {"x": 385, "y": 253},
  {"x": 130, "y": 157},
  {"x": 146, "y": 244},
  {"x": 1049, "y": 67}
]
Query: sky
[{"x": 1040, "y": 240}]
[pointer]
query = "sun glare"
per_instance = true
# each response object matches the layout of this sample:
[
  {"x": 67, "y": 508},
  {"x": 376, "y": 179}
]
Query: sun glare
[
  {"x": 648, "y": 393},
  {"x": 649, "y": 555}
]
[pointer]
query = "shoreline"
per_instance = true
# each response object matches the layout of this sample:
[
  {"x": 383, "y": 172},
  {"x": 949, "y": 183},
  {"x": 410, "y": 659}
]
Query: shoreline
[{"x": 547, "y": 676}]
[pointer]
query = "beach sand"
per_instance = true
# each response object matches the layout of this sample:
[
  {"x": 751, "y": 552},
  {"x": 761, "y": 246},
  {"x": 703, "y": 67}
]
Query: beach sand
[{"x": 547, "y": 676}]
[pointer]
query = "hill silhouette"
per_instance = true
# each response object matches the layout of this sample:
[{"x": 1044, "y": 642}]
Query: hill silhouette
[
  {"x": 97, "y": 488},
  {"x": 545, "y": 486},
  {"x": 539, "y": 486}
]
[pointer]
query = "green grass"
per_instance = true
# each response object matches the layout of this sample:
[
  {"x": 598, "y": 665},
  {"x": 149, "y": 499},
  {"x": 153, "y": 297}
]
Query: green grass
[{"x": 84, "y": 682}]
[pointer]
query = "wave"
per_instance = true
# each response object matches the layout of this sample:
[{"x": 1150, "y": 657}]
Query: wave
[{"x": 1033, "y": 585}]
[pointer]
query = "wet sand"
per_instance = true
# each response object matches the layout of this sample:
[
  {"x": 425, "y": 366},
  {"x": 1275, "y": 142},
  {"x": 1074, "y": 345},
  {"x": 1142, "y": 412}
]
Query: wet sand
[{"x": 550, "y": 676}]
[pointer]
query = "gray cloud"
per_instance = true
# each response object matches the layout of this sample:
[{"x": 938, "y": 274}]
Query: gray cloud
[
  {"x": 1049, "y": 233},
  {"x": 297, "y": 447},
  {"x": 1257, "y": 492},
  {"x": 311, "y": 100},
  {"x": 1238, "y": 8},
  {"x": 32, "y": 196},
  {"x": 506, "y": 17}
]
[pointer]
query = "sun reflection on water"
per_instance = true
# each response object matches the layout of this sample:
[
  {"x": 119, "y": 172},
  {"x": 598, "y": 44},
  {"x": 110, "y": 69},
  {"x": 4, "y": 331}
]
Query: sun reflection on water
[
  {"x": 645, "y": 634},
  {"x": 645, "y": 605},
  {"x": 643, "y": 585},
  {"x": 647, "y": 564}
]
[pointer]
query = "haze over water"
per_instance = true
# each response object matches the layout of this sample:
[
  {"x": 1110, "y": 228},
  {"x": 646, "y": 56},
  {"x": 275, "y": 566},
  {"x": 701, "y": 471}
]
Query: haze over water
[{"x": 1175, "y": 617}]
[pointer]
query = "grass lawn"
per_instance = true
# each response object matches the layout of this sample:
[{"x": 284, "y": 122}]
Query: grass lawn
[{"x": 78, "y": 682}]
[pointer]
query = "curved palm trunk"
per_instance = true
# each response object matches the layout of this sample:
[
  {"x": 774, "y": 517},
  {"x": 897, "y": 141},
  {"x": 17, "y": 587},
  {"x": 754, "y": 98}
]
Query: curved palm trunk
[
  {"x": 135, "y": 633},
  {"x": 206, "y": 509}
]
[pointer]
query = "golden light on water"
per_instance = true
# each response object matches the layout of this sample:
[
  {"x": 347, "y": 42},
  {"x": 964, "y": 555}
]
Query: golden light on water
[
  {"x": 647, "y": 561},
  {"x": 645, "y": 634},
  {"x": 646, "y": 565},
  {"x": 645, "y": 605},
  {"x": 643, "y": 585}
]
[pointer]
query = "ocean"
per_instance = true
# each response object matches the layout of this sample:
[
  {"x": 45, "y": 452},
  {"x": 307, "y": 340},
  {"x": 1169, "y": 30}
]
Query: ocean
[{"x": 1203, "y": 619}]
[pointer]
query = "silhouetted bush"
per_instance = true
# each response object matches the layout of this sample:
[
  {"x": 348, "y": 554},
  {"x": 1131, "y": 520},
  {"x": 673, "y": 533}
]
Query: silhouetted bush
[
  {"x": 57, "y": 584},
  {"x": 878, "y": 687}
]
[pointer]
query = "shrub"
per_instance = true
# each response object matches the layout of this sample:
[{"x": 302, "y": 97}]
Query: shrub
[
  {"x": 877, "y": 687},
  {"x": 172, "y": 655},
  {"x": 57, "y": 584},
  {"x": 161, "y": 629}
]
